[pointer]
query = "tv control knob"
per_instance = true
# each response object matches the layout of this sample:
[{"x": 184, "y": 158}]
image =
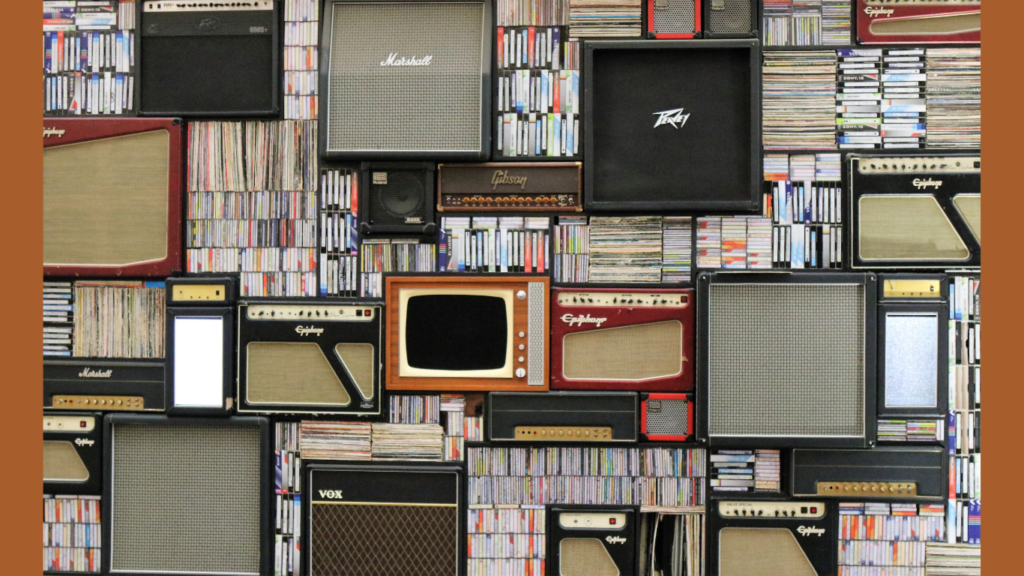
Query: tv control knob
[
  {"x": 520, "y": 372},
  {"x": 521, "y": 294}
]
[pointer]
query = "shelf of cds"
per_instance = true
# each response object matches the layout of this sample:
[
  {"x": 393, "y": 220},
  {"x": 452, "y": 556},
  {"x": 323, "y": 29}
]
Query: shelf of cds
[
  {"x": 301, "y": 63},
  {"x": 287, "y": 498},
  {"x": 964, "y": 513},
  {"x": 623, "y": 249},
  {"x": 506, "y": 540},
  {"x": 887, "y": 538},
  {"x": 71, "y": 534},
  {"x": 339, "y": 245},
  {"x": 494, "y": 244}
]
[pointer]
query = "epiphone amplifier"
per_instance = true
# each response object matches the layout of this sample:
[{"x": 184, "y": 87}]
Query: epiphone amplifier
[
  {"x": 673, "y": 19},
  {"x": 383, "y": 519},
  {"x": 673, "y": 125},
  {"x": 187, "y": 495},
  {"x": 593, "y": 541},
  {"x": 309, "y": 356},
  {"x": 112, "y": 197},
  {"x": 101, "y": 384},
  {"x": 503, "y": 187},
  {"x": 666, "y": 417},
  {"x": 915, "y": 211},
  {"x": 607, "y": 339},
  {"x": 73, "y": 453},
  {"x": 787, "y": 360},
  {"x": 917, "y": 474},
  {"x": 919, "y": 21},
  {"x": 406, "y": 80},
  {"x": 730, "y": 18},
  {"x": 209, "y": 58},
  {"x": 788, "y": 537},
  {"x": 563, "y": 417},
  {"x": 398, "y": 197}
]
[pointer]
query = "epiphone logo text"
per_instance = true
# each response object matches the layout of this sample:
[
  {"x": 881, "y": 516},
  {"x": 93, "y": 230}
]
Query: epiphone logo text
[
  {"x": 925, "y": 184},
  {"x": 90, "y": 373},
  {"x": 674, "y": 118},
  {"x": 615, "y": 540},
  {"x": 581, "y": 320},
  {"x": 810, "y": 531},
  {"x": 394, "y": 60},
  {"x": 307, "y": 330},
  {"x": 501, "y": 177},
  {"x": 84, "y": 442},
  {"x": 331, "y": 494},
  {"x": 876, "y": 11},
  {"x": 47, "y": 132}
]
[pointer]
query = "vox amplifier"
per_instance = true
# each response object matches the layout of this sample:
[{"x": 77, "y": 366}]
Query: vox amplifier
[
  {"x": 919, "y": 21},
  {"x": 791, "y": 537},
  {"x": 607, "y": 339},
  {"x": 502, "y": 187},
  {"x": 73, "y": 453},
  {"x": 590, "y": 541}
]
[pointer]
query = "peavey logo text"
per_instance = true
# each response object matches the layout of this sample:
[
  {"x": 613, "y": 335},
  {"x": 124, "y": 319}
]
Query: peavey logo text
[
  {"x": 615, "y": 539},
  {"x": 810, "y": 531},
  {"x": 307, "y": 330},
  {"x": 876, "y": 11},
  {"x": 394, "y": 60},
  {"x": 581, "y": 320},
  {"x": 331, "y": 494},
  {"x": 674, "y": 118},
  {"x": 84, "y": 442},
  {"x": 501, "y": 177},
  {"x": 90, "y": 373},
  {"x": 47, "y": 132},
  {"x": 925, "y": 184}
]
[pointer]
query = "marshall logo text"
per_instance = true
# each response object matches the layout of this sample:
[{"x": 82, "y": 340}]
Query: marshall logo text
[
  {"x": 394, "y": 60},
  {"x": 810, "y": 531},
  {"x": 331, "y": 494},
  {"x": 90, "y": 373},
  {"x": 581, "y": 320},
  {"x": 307, "y": 330},
  {"x": 501, "y": 177},
  {"x": 925, "y": 184}
]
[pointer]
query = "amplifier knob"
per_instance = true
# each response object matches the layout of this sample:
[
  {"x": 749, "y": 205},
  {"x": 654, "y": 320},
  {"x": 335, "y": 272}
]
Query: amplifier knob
[
  {"x": 520, "y": 372},
  {"x": 489, "y": 200}
]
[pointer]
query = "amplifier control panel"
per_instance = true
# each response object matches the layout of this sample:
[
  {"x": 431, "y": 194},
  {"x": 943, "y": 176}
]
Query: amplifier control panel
[
  {"x": 920, "y": 165},
  {"x": 871, "y": 489},
  {"x": 564, "y": 433},
  {"x": 69, "y": 423},
  {"x": 772, "y": 509},
  {"x": 619, "y": 299},
  {"x": 199, "y": 293},
  {"x": 511, "y": 201},
  {"x": 591, "y": 520},
  {"x": 75, "y": 402},
  {"x": 304, "y": 312}
]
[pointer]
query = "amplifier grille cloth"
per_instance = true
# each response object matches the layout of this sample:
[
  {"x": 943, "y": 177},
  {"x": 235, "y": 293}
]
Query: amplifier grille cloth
[
  {"x": 185, "y": 498},
  {"x": 667, "y": 416},
  {"x": 412, "y": 108},
  {"x": 733, "y": 19},
  {"x": 382, "y": 540},
  {"x": 969, "y": 206},
  {"x": 761, "y": 551},
  {"x": 948, "y": 24},
  {"x": 907, "y": 227},
  {"x": 291, "y": 373},
  {"x": 62, "y": 463},
  {"x": 105, "y": 201},
  {"x": 358, "y": 360},
  {"x": 626, "y": 353},
  {"x": 537, "y": 313},
  {"x": 403, "y": 196},
  {"x": 678, "y": 18},
  {"x": 585, "y": 557},
  {"x": 786, "y": 360}
]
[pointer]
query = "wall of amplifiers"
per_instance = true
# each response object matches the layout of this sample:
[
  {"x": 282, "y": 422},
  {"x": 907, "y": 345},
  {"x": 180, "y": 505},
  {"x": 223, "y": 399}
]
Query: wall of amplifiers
[{"x": 683, "y": 287}]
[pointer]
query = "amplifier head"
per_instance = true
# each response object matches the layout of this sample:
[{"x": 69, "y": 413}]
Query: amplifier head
[
  {"x": 117, "y": 218},
  {"x": 562, "y": 417},
  {"x": 592, "y": 541},
  {"x": 919, "y": 21},
  {"x": 916, "y": 474},
  {"x": 73, "y": 453},
  {"x": 608, "y": 339},
  {"x": 791, "y": 537},
  {"x": 501, "y": 187},
  {"x": 406, "y": 79},
  {"x": 398, "y": 197},
  {"x": 666, "y": 417},
  {"x": 102, "y": 384},
  {"x": 187, "y": 495},
  {"x": 309, "y": 356}
]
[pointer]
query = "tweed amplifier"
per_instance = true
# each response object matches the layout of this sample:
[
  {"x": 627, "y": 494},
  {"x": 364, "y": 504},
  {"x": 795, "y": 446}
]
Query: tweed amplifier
[
  {"x": 791, "y": 537},
  {"x": 666, "y": 417},
  {"x": 916, "y": 474},
  {"x": 399, "y": 520},
  {"x": 673, "y": 19},
  {"x": 501, "y": 187},
  {"x": 919, "y": 21},
  {"x": 592, "y": 541},
  {"x": 73, "y": 453},
  {"x": 309, "y": 356},
  {"x": 562, "y": 417},
  {"x": 607, "y": 339},
  {"x": 106, "y": 385}
]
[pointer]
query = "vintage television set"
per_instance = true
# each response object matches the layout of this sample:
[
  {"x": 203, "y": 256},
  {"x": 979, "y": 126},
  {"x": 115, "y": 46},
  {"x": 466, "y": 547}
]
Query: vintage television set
[
  {"x": 919, "y": 21},
  {"x": 467, "y": 332},
  {"x": 112, "y": 192}
]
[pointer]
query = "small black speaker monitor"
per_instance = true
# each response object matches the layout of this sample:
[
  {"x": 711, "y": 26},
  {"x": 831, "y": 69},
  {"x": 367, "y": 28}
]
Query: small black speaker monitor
[
  {"x": 397, "y": 198},
  {"x": 673, "y": 125},
  {"x": 209, "y": 59},
  {"x": 730, "y": 18}
]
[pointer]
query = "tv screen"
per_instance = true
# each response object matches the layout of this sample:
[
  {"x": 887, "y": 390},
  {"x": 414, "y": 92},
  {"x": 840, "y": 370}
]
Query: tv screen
[{"x": 456, "y": 332}]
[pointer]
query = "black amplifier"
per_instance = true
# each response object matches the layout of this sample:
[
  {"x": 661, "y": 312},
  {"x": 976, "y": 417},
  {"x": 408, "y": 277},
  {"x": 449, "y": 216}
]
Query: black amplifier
[
  {"x": 563, "y": 416},
  {"x": 917, "y": 474},
  {"x": 601, "y": 538},
  {"x": 499, "y": 187},
  {"x": 791, "y": 537},
  {"x": 103, "y": 384},
  {"x": 73, "y": 453}
]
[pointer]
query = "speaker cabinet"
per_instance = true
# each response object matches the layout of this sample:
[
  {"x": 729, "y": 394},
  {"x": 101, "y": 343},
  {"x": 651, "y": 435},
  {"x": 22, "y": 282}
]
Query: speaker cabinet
[
  {"x": 73, "y": 453},
  {"x": 666, "y": 417},
  {"x": 730, "y": 18},
  {"x": 397, "y": 198},
  {"x": 673, "y": 19}
]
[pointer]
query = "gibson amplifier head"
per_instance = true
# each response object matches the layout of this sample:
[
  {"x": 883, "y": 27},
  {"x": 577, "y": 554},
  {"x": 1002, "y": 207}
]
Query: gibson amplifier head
[
  {"x": 607, "y": 339},
  {"x": 673, "y": 19},
  {"x": 915, "y": 211},
  {"x": 919, "y": 474},
  {"x": 502, "y": 187},
  {"x": 397, "y": 519},
  {"x": 406, "y": 79},
  {"x": 309, "y": 356},
  {"x": 73, "y": 453},
  {"x": 666, "y": 417},
  {"x": 919, "y": 21},
  {"x": 467, "y": 333},
  {"x": 787, "y": 359},
  {"x": 592, "y": 541},
  {"x": 107, "y": 385},
  {"x": 730, "y": 18},
  {"x": 672, "y": 125},
  {"x": 209, "y": 59},
  {"x": 112, "y": 197},
  {"x": 562, "y": 417},
  {"x": 187, "y": 495},
  {"x": 791, "y": 537},
  {"x": 398, "y": 197}
]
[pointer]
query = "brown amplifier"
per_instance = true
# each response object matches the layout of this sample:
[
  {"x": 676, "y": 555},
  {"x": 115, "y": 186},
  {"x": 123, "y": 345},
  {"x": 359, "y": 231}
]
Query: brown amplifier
[{"x": 494, "y": 187}]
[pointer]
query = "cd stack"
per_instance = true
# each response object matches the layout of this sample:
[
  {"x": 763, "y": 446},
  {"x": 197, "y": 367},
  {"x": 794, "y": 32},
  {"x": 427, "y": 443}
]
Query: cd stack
[
  {"x": 805, "y": 205},
  {"x": 732, "y": 470},
  {"x": 709, "y": 243},
  {"x": 954, "y": 97},
  {"x": 407, "y": 442},
  {"x": 604, "y": 18},
  {"x": 508, "y": 541},
  {"x": 335, "y": 440},
  {"x": 859, "y": 98},
  {"x": 288, "y": 496},
  {"x": 734, "y": 242},
  {"x": 806, "y": 22},
  {"x": 911, "y": 430},
  {"x": 71, "y": 533},
  {"x": 625, "y": 249},
  {"x": 392, "y": 255},
  {"x": 882, "y": 538},
  {"x": 339, "y": 193},
  {"x": 952, "y": 559},
  {"x": 799, "y": 102},
  {"x": 58, "y": 318},
  {"x": 119, "y": 319},
  {"x": 904, "y": 105},
  {"x": 447, "y": 410},
  {"x": 965, "y": 409},
  {"x": 572, "y": 249},
  {"x": 836, "y": 24},
  {"x": 677, "y": 244},
  {"x": 301, "y": 19},
  {"x": 768, "y": 471},
  {"x": 481, "y": 244}
]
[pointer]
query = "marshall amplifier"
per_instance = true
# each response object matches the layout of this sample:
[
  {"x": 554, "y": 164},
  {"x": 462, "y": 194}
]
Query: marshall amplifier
[
  {"x": 790, "y": 537},
  {"x": 311, "y": 356},
  {"x": 915, "y": 211},
  {"x": 919, "y": 21},
  {"x": 592, "y": 541},
  {"x": 730, "y": 18},
  {"x": 916, "y": 474},
  {"x": 607, "y": 339},
  {"x": 562, "y": 417},
  {"x": 666, "y": 417},
  {"x": 504, "y": 187},
  {"x": 673, "y": 19},
  {"x": 73, "y": 453},
  {"x": 383, "y": 519},
  {"x": 406, "y": 80},
  {"x": 101, "y": 384}
]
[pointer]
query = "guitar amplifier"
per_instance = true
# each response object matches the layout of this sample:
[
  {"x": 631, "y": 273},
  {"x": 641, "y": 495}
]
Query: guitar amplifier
[
  {"x": 398, "y": 198},
  {"x": 504, "y": 187},
  {"x": 562, "y": 417},
  {"x": 913, "y": 474},
  {"x": 673, "y": 19},
  {"x": 106, "y": 385},
  {"x": 790, "y": 537},
  {"x": 592, "y": 541},
  {"x": 919, "y": 21},
  {"x": 730, "y": 18},
  {"x": 73, "y": 453},
  {"x": 666, "y": 417}
]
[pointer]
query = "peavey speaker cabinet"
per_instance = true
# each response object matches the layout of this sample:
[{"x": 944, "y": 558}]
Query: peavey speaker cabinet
[
  {"x": 406, "y": 80},
  {"x": 778, "y": 537}
]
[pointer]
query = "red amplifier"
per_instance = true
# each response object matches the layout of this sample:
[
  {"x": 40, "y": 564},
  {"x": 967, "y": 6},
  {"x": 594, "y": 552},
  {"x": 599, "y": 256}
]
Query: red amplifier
[
  {"x": 919, "y": 21},
  {"x": 666, "y": 417},
  {"x": 610, "y": 339}
]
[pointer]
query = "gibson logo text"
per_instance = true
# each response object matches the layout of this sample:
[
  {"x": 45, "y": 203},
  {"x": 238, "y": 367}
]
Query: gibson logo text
[
  {"x": 674, "y": 118},
  {"x": 502, "y": 177},
  {"x": 810, "y": 531},
  {"x": 307, "y": 330},
  {"x": 47, "y": 132},
  {"x": 90, "y": 373},
  {"x": 331, "y": 494},
  {"x": 394, "y": 60},
  {"x": 877, "y": 11},
  {"x": 615, "y": 540},
  {"x": 84, "y": 442},
  {"x": 581, "y": 320},
  {"x": 925, "y": 184}
]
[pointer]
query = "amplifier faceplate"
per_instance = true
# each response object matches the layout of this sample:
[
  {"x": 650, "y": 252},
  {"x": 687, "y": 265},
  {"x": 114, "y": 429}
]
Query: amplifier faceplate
[
  {"x": 564, "y": 433},
  {"x": 919, "y": 21},
  {"x": 496, "y": 187}
]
